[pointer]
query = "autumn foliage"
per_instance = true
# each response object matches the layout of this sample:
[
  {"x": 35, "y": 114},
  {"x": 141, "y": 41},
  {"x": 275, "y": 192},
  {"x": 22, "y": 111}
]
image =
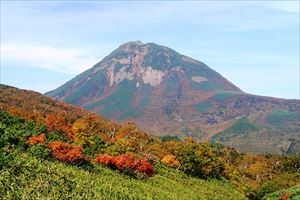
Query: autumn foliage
[
  {"x": 56, "y": 123},
  {"x": 170, "y": 160},
  {"x": 127, "y": 163},
  {"x": 285, "y": 196},
  {"x": 66, "y": 152},
  {"x": 36, "y": 139}
]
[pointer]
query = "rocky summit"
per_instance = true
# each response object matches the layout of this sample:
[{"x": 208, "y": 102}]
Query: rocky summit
[{"x": 170, "y": 94}]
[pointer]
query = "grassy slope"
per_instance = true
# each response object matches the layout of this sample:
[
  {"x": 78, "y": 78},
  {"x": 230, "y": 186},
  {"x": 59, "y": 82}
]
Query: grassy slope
[{"x": 28, "y": 177}]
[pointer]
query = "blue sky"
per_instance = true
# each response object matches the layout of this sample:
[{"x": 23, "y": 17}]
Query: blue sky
[{"x": 254, "y": 44}]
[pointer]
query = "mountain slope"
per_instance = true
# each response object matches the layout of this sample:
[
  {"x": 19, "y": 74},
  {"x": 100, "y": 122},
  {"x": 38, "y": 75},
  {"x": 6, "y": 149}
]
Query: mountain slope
[
  {"x": 167, "y": 93},
  {"x": 49, "y": 149}
]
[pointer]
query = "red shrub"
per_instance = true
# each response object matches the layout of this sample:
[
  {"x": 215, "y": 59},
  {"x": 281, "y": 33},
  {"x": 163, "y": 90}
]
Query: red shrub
[
  {"x": 104, "y": 159},
  {"x": 144, "y": 167},
  {"x": 37, "y": 139},
  {"x": 127, "y": 163},
  {"x": 285, "y": 196},
  {"x": 66, "y": 152},
  {"x": 124, "y": 161}
]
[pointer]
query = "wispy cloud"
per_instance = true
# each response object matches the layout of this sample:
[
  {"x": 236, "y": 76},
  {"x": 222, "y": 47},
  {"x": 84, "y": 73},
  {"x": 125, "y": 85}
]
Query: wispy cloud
[{"x": 65, "y": 60}]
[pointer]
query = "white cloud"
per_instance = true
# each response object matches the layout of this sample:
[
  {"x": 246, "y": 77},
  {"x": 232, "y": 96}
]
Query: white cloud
[{"x": 66, "y": 60}]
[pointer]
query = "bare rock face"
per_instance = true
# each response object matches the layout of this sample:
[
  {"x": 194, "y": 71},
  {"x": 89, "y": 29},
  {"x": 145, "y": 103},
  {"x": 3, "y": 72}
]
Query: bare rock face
[{"x": 167, "y": 93}]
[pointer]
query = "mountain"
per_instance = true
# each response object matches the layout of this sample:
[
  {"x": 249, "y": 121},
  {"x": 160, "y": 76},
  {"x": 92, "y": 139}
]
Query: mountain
[{"x": 167, "y": 93}]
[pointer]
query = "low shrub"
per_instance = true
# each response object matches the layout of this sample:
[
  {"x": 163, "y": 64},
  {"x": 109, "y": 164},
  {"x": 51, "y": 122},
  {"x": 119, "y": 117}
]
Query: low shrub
[
  {"x": 37, "y": 139},
  {"x": 127, "y": 163},
  {"x": 66, "y": 152},
  {"x": 40, "y": 151},
  {"x": 170, "y": 160}
]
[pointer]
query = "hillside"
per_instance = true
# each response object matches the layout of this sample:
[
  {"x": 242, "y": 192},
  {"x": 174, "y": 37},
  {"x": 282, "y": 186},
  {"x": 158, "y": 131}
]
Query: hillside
[
  {"x": 49, "y": 149},
  {"x": 167, "y": 93},
  {"x": 42, "y": 179}
]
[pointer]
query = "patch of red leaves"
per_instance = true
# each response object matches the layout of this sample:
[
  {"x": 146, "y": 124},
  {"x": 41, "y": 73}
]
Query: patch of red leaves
[
  {"x": 37, "y": 139},
  {"x": 285, "y": 196},
  {"x": 56, "y": 123},
  {"x": 66, "y": 152},
  {"x": 127, "y": 163}
]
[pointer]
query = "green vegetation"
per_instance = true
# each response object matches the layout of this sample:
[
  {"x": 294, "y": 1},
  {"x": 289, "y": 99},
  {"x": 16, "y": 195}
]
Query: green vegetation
[
  {"x": 219, "y": 96},
  {"x": 240, "y": 127},
  {"x": 203, "y": 106},
  {"x": 224, "y": 95},
  {"x": 145, "y": 97},
  {"x": 27, "y": 177},
  {"x": 279, "y": 117},
  {"x": 119, "y": 101},
  {"x": 292, "y": 193},
  {"x": 199, "y": 69}
]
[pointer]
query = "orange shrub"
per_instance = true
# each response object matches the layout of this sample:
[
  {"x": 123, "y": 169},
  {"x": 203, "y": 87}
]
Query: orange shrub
[
  {"x": 66, "y": 152},
  {"x": 127, "y": 163},
  {"x": 56, "y": 123},
  {"x": 104, "y": 159},
  {"x": 37, "y": 139},
  {"x": 170, "y": 160}
]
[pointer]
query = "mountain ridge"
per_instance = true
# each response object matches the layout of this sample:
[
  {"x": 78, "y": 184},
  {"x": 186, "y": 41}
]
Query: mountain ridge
[{"x": 168, "y": 93}]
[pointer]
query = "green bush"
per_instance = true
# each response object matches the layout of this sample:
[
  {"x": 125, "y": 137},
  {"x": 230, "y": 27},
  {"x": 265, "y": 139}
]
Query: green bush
[
  {"x": 291, "y": 164},
  {"x": 200, "y": 160},
  {"x": 14, "y": 131},
  {"x": 5, "y": 159},
  {"x": 40, "y": 151},
  {"x": 294, "y": 194}
]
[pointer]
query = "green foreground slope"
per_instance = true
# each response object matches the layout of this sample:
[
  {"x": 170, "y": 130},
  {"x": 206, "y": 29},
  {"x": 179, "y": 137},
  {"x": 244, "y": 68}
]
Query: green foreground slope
[{"x": 28, "y": 177}]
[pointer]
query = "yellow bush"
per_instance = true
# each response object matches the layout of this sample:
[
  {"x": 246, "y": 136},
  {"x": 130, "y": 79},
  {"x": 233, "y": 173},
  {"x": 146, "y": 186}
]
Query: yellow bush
[{"x": 170, "y": 160}]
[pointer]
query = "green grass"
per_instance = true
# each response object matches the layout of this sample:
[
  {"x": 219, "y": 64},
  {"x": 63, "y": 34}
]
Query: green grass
[
  {"x": 27, "y": 177},
  {"x": 119, "y": 101},
  {"x": 224, "y": 95},
  {"x": 240, "y": 127},
  {"x": 145, "y": 96},
  {"x": 294, "y": 191},
  {"x": 203, "y": 106},
  {"x": 278, "y": 117}
]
